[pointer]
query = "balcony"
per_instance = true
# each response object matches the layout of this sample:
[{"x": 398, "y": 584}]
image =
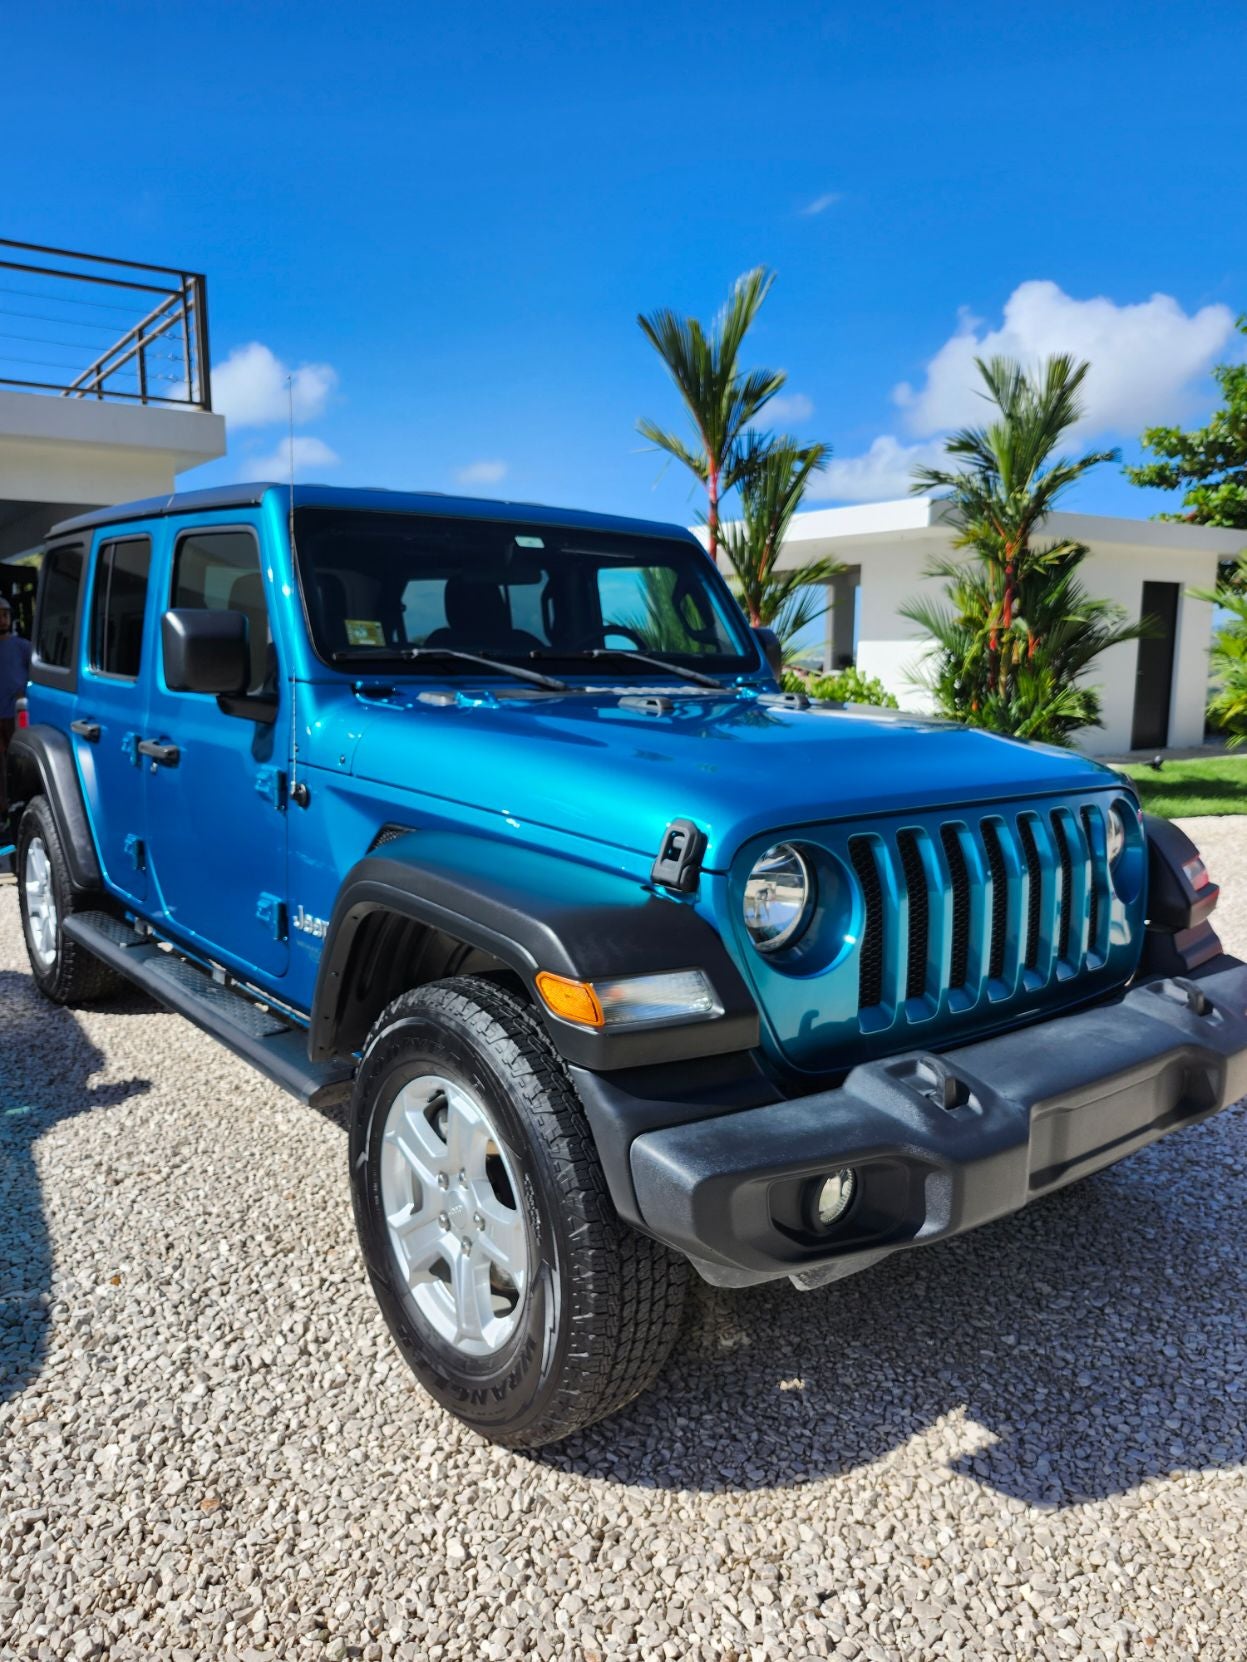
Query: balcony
[{"x": 105, "y": 385}]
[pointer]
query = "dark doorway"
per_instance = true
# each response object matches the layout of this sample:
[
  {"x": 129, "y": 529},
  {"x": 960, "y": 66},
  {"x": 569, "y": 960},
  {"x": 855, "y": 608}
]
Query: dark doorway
[{"x": 1153, "y": 687}]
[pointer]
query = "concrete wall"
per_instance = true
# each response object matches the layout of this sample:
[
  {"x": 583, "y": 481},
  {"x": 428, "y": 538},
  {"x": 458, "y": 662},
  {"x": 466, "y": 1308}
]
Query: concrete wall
[
  {"x": 1120, "y": 577},
  {"x": 58, "y": 455},
  {"x": 888, "y": 645}
]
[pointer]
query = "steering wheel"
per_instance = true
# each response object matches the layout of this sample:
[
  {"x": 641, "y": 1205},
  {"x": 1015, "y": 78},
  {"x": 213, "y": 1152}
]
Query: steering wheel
[{"x": 598, "y": 637}]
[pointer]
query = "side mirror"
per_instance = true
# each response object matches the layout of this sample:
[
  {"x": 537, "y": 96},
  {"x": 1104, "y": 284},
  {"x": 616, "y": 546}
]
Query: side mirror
[
  {"x": 205, "y": 652},
  {"x": 772, "y": 651}
]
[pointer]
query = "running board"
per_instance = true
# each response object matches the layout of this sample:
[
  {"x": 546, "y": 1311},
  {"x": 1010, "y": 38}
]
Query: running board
[{"x": 274, "y": 1045}]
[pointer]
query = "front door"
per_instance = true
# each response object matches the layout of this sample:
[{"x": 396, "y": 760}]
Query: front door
[
  {"x": 110, "y": 708},
  {"x": 217, "y": 779},
  {"x": 1153, "y": 687}
]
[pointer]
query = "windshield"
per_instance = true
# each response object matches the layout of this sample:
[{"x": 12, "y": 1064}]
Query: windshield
[{"x": 375, "y": 580}]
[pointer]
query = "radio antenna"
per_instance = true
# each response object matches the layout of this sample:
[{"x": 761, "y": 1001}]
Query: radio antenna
[{"x": 294, "y": 679}]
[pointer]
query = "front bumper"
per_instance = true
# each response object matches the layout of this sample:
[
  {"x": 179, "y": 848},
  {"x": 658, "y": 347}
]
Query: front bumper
[{"x": 939, "y": 1143}]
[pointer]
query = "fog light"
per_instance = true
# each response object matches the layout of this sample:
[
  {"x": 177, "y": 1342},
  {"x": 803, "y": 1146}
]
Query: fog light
[{"x": 834, "y": 1196}]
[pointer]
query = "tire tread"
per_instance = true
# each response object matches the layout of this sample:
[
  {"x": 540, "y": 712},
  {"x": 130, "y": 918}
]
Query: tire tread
[
  {"x": 78, "y": 976},
  {"x": 626, "y": 1291}
]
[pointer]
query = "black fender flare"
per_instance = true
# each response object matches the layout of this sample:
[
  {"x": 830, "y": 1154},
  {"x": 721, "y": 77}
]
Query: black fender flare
[
  {"x": 40, "y": 762},
  {"x": 531, "y": 910},
  {"x": 1181, "y": 898}
]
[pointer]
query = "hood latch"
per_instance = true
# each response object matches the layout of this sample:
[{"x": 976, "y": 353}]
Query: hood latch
[{"x": 678, "y": 865}]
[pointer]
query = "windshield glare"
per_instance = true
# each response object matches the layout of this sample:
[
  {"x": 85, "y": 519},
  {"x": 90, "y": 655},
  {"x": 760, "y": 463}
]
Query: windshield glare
[{"x": 374, "y": 580}]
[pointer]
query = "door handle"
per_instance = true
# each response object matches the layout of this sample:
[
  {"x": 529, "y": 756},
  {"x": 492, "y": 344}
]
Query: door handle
[
  {"x": 89, "y": 730},
  {"x": 166, "y": 754}
]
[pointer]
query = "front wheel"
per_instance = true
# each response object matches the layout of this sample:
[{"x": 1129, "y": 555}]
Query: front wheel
[{"x": 516, "y": 1295}]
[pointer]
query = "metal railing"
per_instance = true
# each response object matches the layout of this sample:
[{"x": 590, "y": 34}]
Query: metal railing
[{"x": 111, "y": 328}]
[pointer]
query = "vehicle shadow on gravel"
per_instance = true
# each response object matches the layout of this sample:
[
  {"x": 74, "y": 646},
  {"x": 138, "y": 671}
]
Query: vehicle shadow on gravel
[
  {"x": 46, "y": 1061},
  {"x": 1096, "y": 1339}
]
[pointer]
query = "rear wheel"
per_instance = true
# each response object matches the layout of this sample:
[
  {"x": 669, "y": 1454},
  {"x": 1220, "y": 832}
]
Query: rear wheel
[
  {"x": 64, "y": 971},
  {"x": 516, "y": 1295}
]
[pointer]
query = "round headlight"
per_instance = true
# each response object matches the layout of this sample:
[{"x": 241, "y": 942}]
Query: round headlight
[
  {"x": 779, "y": 898},
  {"x": 1116, "y": 836}
]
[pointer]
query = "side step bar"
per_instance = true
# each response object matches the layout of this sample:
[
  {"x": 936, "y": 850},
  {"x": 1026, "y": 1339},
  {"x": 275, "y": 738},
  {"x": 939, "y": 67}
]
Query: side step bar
[{"x": 271, "y": 1043}]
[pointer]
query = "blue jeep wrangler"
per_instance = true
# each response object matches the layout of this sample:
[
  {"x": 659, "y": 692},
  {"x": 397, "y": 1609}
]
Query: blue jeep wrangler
[{"x": 494, "y": 819}]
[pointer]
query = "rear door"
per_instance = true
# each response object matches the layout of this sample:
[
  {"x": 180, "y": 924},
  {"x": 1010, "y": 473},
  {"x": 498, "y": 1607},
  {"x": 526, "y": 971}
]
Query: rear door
[
  {"x": 109, "y": 716},
  {"x": 218, "y": 766}
]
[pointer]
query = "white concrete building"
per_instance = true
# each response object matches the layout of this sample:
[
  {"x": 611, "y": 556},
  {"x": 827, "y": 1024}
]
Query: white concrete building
[
  {"x": 1154, "y": 691},
  {"x": 61, "y": 456}
]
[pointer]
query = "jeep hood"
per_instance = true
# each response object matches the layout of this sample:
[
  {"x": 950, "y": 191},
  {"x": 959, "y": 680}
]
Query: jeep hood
[{"x": 592, "y": 764}]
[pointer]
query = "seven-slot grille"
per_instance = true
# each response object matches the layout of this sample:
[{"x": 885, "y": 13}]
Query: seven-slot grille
[{"x": 984, "y": 905}]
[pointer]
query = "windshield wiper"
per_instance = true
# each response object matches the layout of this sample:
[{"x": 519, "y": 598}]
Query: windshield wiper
[
  {"x": 412, "y": 654},
  {"x": 593, "y": 652}
]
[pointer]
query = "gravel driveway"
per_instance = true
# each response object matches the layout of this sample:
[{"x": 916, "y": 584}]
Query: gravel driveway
[{"x": 1027, "y": 1442}]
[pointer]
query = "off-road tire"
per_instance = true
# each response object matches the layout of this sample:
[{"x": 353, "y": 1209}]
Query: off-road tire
[
  {"x": 603, "y": 1305},
  {"x": 74, "y": 975}
]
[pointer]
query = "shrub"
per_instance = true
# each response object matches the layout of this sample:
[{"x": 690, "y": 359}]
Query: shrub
[{"x": 845, "y": 686}]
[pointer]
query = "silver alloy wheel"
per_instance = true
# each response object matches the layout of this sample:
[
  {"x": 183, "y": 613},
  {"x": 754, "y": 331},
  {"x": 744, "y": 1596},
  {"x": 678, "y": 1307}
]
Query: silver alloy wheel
[
  {"x": 40, "y": 902},
  {"x": 452, "y": 1208}
]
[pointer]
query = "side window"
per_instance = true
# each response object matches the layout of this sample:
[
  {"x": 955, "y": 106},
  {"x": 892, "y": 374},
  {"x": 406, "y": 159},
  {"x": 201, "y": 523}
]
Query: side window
[
  {"x": 219, "y": 571},
  {"x": 59, "y": 584},
  {"x": 118, "y": 607}
]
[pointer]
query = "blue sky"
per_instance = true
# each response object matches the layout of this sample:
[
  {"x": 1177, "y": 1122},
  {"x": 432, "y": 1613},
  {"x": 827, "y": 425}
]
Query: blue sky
[{"x": 447, "y": 219}]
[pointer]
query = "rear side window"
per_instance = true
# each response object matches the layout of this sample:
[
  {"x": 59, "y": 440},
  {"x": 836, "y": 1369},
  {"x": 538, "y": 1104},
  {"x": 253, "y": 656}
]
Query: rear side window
[
  {"x": 58, "y": 606},
  {"x": 119, "y": 606},
  {"x": 219, "y": 571}
]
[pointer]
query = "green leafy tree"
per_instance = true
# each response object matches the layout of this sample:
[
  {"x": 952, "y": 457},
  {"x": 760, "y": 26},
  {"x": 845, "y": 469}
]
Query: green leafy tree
[
  {"x": 1017, "y": 633},
  {"x": 1228, "y": 658},
  {"x": 721, "y": 399},
  {"x": 1208, "y": 464}
]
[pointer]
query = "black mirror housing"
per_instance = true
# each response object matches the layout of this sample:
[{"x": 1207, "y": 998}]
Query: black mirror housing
[
  {"x": 772, "y": 651},
  {"x": 205, "y": 652}
]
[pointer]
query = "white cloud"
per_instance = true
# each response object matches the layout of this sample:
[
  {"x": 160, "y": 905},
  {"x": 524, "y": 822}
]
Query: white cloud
[
  {"x": 249, "y": 389},
  {"x": 820, "y": 204},
  {"x": 787, "y": 406},
  {"x": 484, "y": 472},
  {"x": 310, "y": 454},
  {"x": 883, "y": 472},
  {"x": 1143, "y": 357}
]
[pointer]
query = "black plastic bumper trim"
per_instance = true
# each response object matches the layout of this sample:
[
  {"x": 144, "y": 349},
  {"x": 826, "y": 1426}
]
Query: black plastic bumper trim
[{"x": 940, "y": 1144}]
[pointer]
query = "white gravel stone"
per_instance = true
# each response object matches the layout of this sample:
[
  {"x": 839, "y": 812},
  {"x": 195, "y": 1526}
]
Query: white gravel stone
[{"x": 1026, "y": 1443}]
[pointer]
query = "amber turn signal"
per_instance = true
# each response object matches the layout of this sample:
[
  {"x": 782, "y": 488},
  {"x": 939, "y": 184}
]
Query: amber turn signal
[{"x": 573, "y": 1000}]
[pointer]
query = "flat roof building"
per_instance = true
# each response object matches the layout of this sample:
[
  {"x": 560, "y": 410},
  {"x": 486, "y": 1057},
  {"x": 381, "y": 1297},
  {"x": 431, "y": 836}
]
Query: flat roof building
[{"x": 1153, "y": 691}]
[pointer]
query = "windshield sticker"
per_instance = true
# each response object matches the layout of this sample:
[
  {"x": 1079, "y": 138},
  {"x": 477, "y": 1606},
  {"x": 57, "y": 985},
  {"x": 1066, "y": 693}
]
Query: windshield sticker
[{"x": 364, "y": 631}]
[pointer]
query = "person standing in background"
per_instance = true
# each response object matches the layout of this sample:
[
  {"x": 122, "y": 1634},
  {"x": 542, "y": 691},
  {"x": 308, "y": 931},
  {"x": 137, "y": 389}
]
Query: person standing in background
[{"x": 14, "y": 673}]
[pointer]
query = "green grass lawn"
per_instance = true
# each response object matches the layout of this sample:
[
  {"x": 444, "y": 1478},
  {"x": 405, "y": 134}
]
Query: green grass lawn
[{"x": 1184, "y": 790}]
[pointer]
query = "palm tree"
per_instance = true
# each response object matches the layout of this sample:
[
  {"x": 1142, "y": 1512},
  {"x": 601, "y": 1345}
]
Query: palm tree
[
  {"x": 771, "y": 491},
  {"x": 721, "y": 399},
  {"x": 1008, "y": 482},
  {"x": 1228, "y": 658},
  {"x": 1018, "y": 632},
  {"x": 1057, "y": 634}
]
